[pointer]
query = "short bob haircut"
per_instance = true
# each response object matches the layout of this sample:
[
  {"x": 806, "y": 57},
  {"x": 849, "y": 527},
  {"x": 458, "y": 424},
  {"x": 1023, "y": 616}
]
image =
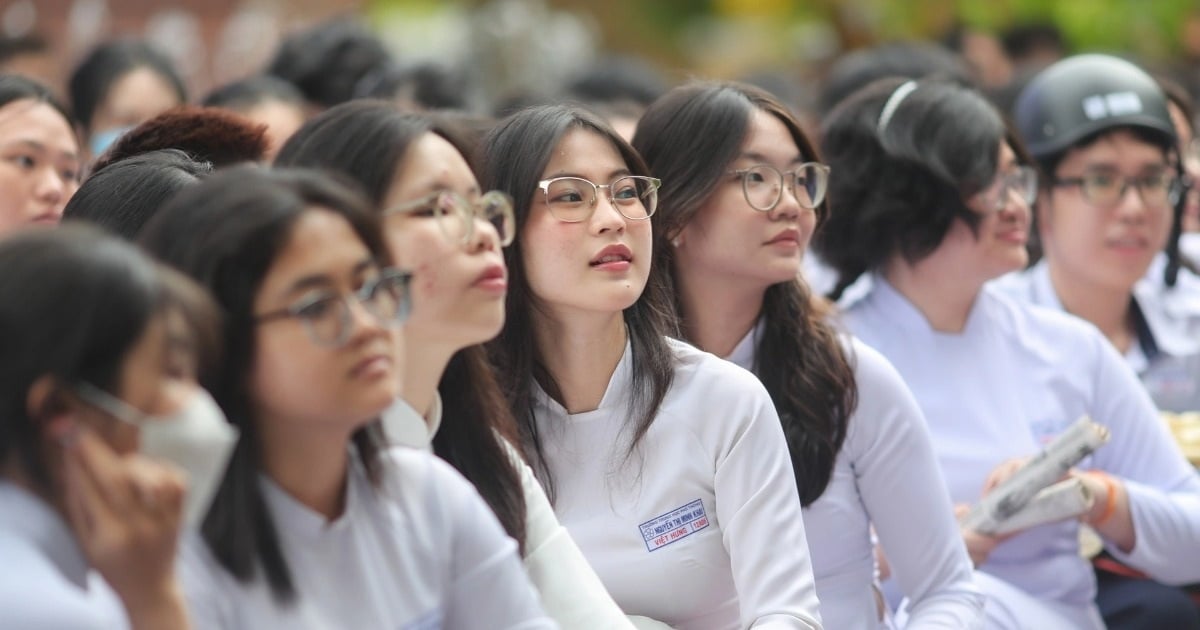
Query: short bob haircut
[
  {"x": 73, "y": 303},
  {"x": 124, "y": 196},
  {"x": 106, "y": 64},
  {"x": 897, "y": 191},
  {"x": 365, "y": 142},
  {"x": 515, "y": 153},
  {"x": 799, "y": 357},
  {"x": 226, "y": 232}
]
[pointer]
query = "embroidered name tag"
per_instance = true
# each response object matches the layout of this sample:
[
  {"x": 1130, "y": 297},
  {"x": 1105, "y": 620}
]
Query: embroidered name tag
[{"x": 675, "y": 525}]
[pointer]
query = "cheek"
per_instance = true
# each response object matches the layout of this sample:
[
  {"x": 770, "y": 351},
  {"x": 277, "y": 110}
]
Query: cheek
[{"x": 288, "y": 369}]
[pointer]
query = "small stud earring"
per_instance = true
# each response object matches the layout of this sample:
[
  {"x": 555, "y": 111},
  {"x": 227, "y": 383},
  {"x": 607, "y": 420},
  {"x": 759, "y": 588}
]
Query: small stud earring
[{"x": 676, "y": 242}]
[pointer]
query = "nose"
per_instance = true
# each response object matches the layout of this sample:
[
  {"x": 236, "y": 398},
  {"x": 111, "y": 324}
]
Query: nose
[
  {"x": 789, "y": 205},
  {"x": 51, "y": 188},
  {"x": 606, "y": 216},
  {"x": 363, "y": 323},
  {"x": 1131, "y": 206},
  {"x": 485, "y": 237}
]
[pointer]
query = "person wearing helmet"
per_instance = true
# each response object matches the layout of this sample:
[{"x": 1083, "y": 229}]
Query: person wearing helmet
[{"x": 1108, "y": 220}]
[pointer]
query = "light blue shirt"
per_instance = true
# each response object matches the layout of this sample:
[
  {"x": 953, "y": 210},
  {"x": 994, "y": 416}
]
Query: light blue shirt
[
  {"x": 1013, "y": 379},
  {"x": 46, "y": 582}
]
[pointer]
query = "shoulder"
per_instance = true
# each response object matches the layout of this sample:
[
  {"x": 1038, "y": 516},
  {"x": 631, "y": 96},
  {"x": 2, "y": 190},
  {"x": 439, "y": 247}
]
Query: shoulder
[
  {"x": 1031, "y": 325},
  {"x": 707, "y": 377}
]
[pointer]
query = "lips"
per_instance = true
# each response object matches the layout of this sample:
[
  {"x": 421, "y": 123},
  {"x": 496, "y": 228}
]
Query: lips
[
  {"x": 790, "y": 235},
  {"x": 612, "y": 255},
  {"x": 372, "y": 366},
  {"x": 1128, "y": 241},
  {"x": 493, "y": 277}
]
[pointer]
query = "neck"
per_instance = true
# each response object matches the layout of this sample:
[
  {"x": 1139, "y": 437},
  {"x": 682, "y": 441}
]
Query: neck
[
  {"x": 424, "y": 364},
  {"x": 1108, "y": 308},
  {"x": 936, "y": 289},
  {"x": 581, "y": 352},
  {"x": 309, "y": 464},
  {"x": 717, "y": 312}
]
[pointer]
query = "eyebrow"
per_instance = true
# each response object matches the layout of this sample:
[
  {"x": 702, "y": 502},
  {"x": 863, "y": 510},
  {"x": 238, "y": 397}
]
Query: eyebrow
[
  {"x": 324, "y": 280},
  {"x": 758, "y": 157},
  {"x": 41, "y": 148},
  {"x": 621, "y": 172}
]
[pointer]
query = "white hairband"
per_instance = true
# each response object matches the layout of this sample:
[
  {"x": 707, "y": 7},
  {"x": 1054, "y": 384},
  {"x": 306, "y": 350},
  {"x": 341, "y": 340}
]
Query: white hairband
[{"x": 893, "y": 103}]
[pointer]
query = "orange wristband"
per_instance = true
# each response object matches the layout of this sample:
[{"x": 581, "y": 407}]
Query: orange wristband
[{"x": 1110, "y": 501}]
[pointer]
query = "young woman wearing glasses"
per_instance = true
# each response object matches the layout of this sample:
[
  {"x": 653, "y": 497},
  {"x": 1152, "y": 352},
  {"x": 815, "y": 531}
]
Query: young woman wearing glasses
[
  {"x": 442, "y": 226},
  {"x": 948, "y": 211},
  {"x": 667, "y": 465},
  {"x": 731, "y": 230},
  {"x": 315, "y": 524}
]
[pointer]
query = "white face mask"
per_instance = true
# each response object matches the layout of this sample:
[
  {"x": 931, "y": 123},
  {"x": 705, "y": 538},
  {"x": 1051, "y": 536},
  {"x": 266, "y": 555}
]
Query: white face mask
[{"x": 197, "y": 438}]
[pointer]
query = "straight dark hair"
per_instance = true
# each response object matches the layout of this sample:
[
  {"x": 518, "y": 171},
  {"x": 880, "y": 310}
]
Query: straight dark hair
[
  {"x": 689, "y": 137},
  {"x": 124, "y": 196},
  {"x": 366, "y": 141},
  {"x": 73, "y": 303},
  {"x": 897, "y": 191},
  {"x": 226, "y": 232},
  {"x": 515, "y": 154}
]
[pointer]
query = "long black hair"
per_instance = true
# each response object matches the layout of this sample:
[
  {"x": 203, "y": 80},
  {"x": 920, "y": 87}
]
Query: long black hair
[
  {"x": 514, "y": 156},
  {"x": 689, "y": 138},
  {"x": 366, "y": 141},
  {"x": 226, "y": 232}
]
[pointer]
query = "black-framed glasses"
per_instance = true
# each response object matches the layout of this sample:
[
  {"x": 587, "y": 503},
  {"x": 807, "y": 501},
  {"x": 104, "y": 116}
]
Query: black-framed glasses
[
  {"x": 1022, "y": 180},
  {"x": 326, "y": 314},
  {"x": 573, "y": 199},
  {"x": 456, "y": 215},
  {"x": 762, "y": 185},
  {"x": 1105, "y": 189}
]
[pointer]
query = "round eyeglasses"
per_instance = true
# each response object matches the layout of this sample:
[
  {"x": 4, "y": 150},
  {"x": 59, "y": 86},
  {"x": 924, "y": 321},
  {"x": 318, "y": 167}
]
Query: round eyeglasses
[
  {"x": 1022, "y": 180},
  {"x": 456, "y": 215},
  {"x": 573, "y": 199},
  {"x": 326, "y": 314},
  {"x": 762, "y": 185},
  {"x": 1107, "y": 189}
]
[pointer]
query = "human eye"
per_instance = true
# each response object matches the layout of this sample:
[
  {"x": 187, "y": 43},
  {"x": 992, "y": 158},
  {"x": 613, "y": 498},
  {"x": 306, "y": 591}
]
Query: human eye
[
  {"x": 24, "y": 160},
  {"x": 625, "y": 190},
  {"x": 1101, "y": 179},
  {"x": 566, "y": 192},
  {"x": 317, "y": 306}
]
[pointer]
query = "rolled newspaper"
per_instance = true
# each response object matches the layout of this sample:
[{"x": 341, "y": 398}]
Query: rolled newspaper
[
  {"x": 1079, "y": 440},
  {"x": 1058, "y": 502}
]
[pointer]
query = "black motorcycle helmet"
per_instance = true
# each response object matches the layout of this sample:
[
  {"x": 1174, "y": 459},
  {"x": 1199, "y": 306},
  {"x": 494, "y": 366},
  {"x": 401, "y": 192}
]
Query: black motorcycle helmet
[{"x": 1073, "y": 101}]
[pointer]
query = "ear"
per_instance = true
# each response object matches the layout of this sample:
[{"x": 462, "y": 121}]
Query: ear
[{"x": 45, "y": 399}]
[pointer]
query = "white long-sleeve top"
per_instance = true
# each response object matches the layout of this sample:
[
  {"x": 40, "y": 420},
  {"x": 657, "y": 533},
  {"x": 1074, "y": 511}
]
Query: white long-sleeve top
[
  {"x": 1166, "y": 355},
  {"x": 570, "y": 591},
  {"x": 1013, "y": 379},
  {"x": 421, "y": 551},
  {"x": 701, "y": 527},
  {"x": 46, "y": 581},
  {"x": 885, "y": 474}
]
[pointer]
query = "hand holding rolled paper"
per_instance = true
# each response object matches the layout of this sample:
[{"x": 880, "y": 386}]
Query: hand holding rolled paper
[{"x": 1029, "y": 496}]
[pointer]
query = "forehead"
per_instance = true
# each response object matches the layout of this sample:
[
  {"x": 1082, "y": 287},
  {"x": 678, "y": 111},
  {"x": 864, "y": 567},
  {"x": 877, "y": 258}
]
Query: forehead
[
  {"x": 1120, "y": 150},
  {"x": 28, "y": 119},
  {"x": 430, "y": 163},
  {"x": 582, "y": 151},
  {"x": 767, "y": 136},
  {"x": 321, "y": 243}
]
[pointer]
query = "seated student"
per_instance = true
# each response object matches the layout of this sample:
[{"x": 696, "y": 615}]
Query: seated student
[
  {"x": 39, "y": 155},
  {"x": 315, "y": 524},
  {"x": 1106, "y": 214},
  {"x": 120, "y": 84},
  {"x": 933, "y": 202},
  {"x": 439, "y": 223},
  {"x": 732, "y": 227},
  {"x": 667, "y": 465},
  {"x": 99, "y": 349}
]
